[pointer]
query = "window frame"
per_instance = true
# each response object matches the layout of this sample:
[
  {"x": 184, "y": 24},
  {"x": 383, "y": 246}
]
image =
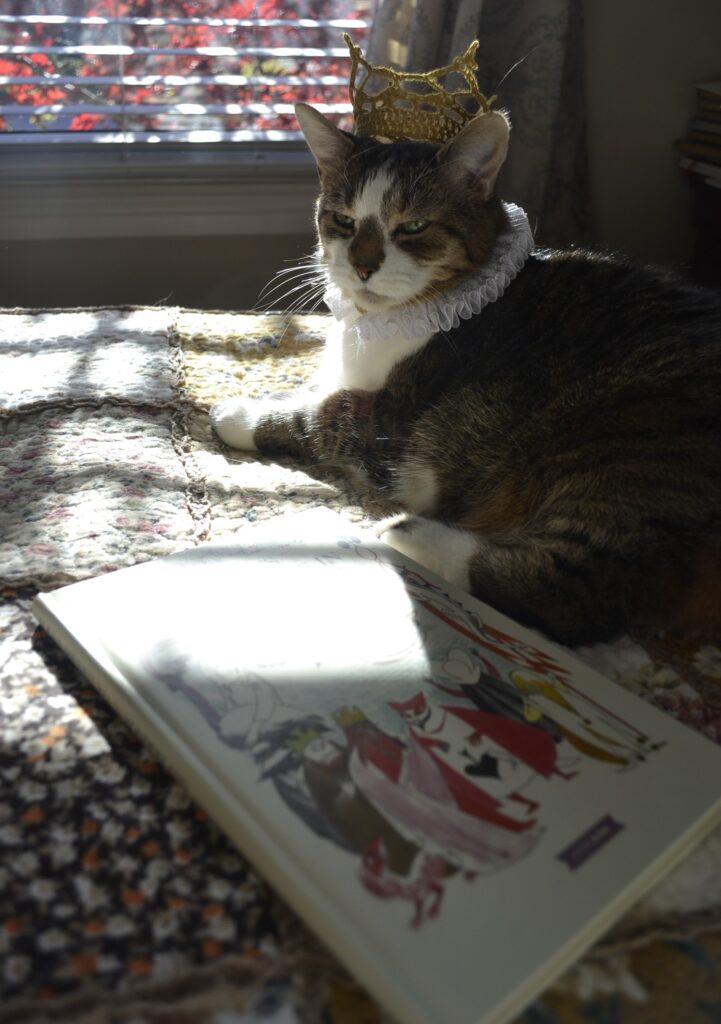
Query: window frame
[{"x": 111, "y": 190}]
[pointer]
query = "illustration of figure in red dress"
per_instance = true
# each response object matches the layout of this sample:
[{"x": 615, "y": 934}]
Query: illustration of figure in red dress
[
  {"x": 498, "y": 756},
  {"x": 442, "y": 809}
]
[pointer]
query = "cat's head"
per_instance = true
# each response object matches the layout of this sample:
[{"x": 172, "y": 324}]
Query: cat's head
[{"x": 404, "y": 221}]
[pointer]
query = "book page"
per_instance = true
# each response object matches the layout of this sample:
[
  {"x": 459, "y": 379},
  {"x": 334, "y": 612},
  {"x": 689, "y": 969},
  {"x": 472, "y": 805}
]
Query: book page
[{"x": 461, "y": 797}]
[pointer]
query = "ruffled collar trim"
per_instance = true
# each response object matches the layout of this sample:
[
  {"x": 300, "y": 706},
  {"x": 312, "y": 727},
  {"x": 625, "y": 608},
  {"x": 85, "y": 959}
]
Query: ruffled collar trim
[{"x": 508, "y": 255}]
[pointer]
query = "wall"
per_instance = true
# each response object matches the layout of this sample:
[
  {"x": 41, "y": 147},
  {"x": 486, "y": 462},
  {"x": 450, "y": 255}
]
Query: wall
[
  {"x": 192, "y": 227},
  {"x": 643, "y": 58},
  {"x": 219, "y": 272}
]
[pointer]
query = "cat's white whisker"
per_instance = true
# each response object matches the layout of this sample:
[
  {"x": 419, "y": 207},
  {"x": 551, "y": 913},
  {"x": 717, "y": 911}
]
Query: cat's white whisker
[
  {"x": 304, "y": 286},
  {"x": 287, "y": 275},
  {"x": 277, "y": 285},
  {"x": 290, "y": 272},
  {"x": 304, "y": 290},
  {"x": 308, "y": 273},
  {"x": 289, "y": 313},
  {"x": 307, "y": 295}
]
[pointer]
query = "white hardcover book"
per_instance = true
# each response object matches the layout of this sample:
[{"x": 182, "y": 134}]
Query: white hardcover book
[{"x": 457, "y": 806}]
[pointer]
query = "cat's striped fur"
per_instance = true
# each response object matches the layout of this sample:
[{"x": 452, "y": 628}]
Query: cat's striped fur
[{"x": 560, "y": 453}]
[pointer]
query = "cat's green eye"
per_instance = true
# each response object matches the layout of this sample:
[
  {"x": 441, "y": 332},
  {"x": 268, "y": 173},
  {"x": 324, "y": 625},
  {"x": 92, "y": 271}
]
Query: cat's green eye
[
  {"x": 343, "y": 221},
  {"x": 413, "y": 227}
]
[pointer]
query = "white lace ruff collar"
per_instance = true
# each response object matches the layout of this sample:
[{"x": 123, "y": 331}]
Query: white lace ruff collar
[{"x": 461, "y": 303}]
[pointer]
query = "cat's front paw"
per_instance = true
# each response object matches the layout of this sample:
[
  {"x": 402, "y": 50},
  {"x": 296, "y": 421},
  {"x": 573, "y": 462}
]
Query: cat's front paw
[
  {"x": 234, "y": 421},
  {"x": 445, "y": 550},
  {"x": 406, "y": 534}
]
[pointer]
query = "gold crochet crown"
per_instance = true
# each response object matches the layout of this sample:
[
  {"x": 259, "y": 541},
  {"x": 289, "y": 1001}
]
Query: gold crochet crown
[{"x": 392, "y": 105}]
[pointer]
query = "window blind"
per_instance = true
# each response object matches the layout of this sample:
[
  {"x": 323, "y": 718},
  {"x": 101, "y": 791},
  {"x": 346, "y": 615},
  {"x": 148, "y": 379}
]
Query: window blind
[{"x": 172, "y": 70}]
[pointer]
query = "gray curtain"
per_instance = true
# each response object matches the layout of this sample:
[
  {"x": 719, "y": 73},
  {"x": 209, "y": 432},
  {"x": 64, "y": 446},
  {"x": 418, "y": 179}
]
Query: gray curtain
[{"x": 547, "y": 167}]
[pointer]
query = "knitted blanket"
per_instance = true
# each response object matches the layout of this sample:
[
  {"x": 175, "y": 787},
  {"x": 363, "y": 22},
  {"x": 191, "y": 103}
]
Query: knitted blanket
[{"x": 119, "y": 900}]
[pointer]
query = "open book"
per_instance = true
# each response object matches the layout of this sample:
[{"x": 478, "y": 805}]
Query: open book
[{"x": 455, "y": 805}]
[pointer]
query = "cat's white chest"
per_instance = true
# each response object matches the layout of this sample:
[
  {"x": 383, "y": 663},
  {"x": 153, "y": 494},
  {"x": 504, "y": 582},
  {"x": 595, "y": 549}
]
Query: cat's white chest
[{"x": 354, "y": 363}]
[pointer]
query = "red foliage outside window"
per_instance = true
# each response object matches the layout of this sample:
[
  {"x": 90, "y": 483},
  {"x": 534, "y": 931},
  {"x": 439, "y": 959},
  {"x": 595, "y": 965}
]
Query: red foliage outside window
[{"x": 178, "y": 72}]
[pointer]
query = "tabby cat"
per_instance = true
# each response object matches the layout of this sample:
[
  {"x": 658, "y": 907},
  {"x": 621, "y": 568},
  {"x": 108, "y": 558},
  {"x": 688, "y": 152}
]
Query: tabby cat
[{"x": 558, "y": 453}]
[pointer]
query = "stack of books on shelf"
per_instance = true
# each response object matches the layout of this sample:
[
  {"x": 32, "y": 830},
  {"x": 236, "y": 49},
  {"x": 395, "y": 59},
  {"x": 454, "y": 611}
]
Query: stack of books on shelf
[
  {"x": 701, "y": 146},
  {"x": 700, "y": 151}
]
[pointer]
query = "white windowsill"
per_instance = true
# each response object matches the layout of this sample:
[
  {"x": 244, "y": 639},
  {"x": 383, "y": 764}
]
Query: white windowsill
[{"x": 73, "y": 192}]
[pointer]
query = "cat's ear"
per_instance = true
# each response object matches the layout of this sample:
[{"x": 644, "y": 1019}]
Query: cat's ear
[
  {"x": 329, "y": 145},
  {"x": 476, "y": 154}
]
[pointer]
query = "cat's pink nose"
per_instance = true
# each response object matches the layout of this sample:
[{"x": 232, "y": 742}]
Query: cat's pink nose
[{"x": 365, "y": 272}]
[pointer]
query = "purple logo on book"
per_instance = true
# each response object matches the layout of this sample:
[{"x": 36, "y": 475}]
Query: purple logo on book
[{"x": 590, "y": 842}]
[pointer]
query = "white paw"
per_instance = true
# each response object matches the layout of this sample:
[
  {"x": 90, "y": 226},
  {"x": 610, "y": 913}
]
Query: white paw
[
  {"x": 385, "y": 526},
  {"x": 234, "y": 421},
  {"x": 407, "y": 535},
  {"x": 445, "y": 550}
]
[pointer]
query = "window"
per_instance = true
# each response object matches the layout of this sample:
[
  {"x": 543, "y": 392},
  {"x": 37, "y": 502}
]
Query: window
[
  {"x": 151, "y": 118},
  {"x": 180, "y": 71}
]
